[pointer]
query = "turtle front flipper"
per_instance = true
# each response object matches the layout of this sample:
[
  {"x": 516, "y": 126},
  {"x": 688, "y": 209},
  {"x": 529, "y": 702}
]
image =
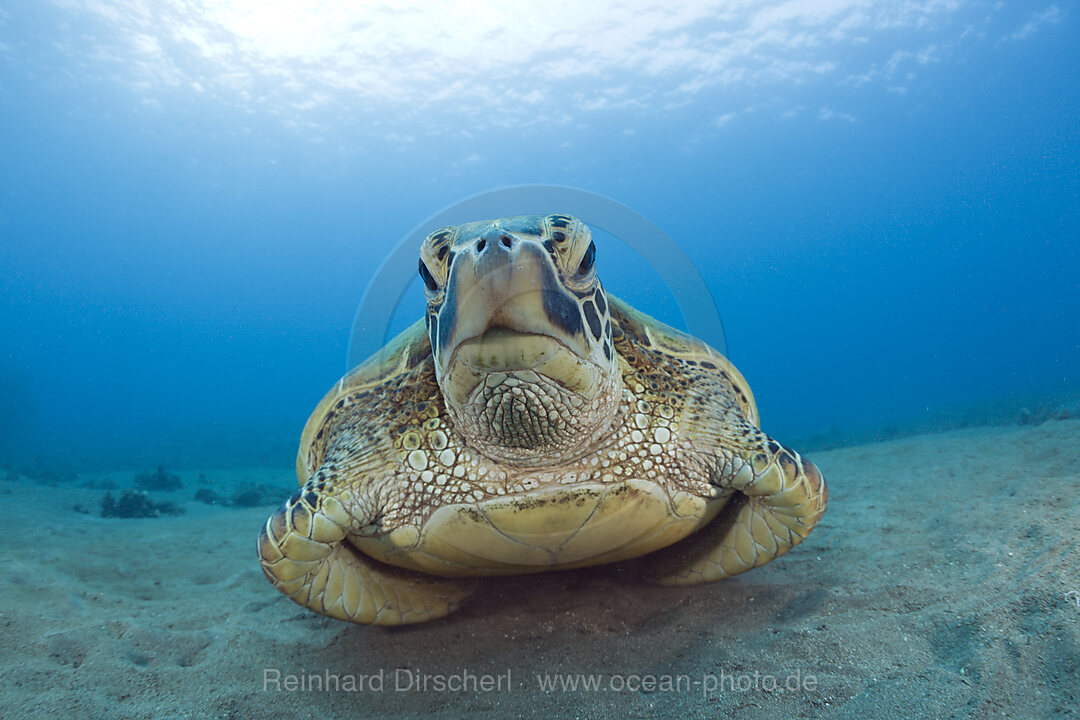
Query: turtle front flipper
[
  {"x": 304, "y": 552},
  {"x": 778, "y": 498}
]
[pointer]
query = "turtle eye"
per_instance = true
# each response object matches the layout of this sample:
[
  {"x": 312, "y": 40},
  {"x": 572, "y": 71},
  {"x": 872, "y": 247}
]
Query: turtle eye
[
  {"x": 429, "y": 281},
  {"x": 588, "y": 260}
]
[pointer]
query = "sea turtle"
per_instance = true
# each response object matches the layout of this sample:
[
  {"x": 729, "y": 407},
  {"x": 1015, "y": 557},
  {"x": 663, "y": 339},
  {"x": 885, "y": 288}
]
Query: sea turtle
[{"x": 529, "y": 422}]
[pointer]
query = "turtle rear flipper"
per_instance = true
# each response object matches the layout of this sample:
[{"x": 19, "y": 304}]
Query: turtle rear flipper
[{"x": 304, "y": 552}]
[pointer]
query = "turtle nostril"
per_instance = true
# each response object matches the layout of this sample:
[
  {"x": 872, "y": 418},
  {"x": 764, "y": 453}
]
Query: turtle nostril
[{"x": 494, "y": 241}]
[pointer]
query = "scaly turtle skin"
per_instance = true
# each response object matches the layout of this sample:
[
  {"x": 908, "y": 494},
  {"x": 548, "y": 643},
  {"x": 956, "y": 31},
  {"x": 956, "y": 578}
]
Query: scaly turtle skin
[{"x": 530, "y": 422}]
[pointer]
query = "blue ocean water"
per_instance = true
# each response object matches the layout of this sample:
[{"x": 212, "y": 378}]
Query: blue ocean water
[{"x": 884, "y": 198}]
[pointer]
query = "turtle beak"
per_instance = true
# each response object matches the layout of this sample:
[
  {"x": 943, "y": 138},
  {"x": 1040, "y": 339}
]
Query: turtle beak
[
  {"x": 506, "y": 312},
  {"x": 509, "y": 292}
]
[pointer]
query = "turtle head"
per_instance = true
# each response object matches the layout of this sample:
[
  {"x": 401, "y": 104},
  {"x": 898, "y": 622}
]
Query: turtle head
[{"x": 521, "y": 336}]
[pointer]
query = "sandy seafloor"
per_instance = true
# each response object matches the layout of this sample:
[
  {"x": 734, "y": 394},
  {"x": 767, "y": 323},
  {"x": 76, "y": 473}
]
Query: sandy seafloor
[{"x": 936, "y": 586}]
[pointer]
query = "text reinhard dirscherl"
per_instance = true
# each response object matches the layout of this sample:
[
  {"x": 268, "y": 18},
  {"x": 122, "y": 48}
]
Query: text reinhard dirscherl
[{"x": 466, "y": 681}]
